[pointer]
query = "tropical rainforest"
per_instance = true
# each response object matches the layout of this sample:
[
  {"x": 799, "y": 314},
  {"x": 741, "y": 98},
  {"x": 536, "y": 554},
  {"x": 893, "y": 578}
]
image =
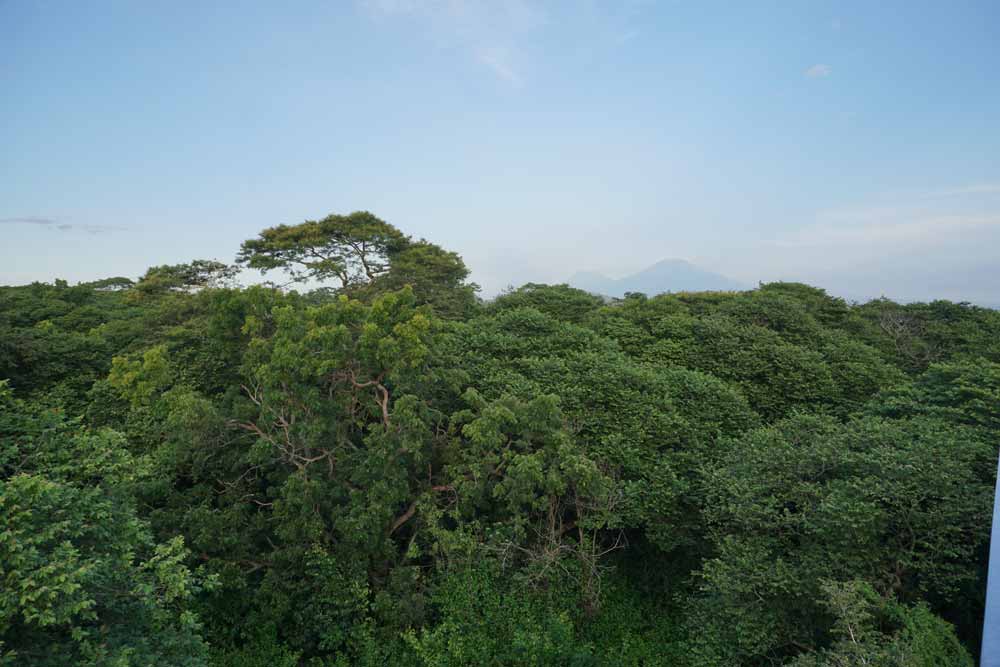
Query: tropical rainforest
[{"x": 361, "y": 462}]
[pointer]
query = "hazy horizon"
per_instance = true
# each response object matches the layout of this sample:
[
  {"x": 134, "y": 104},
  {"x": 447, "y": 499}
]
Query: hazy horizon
[{"x": 848, "y": 146}]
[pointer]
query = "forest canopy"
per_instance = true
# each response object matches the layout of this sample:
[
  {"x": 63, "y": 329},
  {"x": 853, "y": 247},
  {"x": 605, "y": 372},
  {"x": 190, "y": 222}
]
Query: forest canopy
[{"x": 382, "y": 468}]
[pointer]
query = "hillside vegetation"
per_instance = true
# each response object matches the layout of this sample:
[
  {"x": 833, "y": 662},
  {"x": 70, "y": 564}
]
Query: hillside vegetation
[{"x": 390, "y": 471}]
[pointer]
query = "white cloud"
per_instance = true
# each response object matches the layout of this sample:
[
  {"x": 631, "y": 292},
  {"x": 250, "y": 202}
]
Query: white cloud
[{"x": 819, "y": 71}]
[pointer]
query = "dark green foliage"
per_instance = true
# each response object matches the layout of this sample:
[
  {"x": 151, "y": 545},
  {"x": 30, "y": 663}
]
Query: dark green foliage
[
  {"x": 436, "y": 276},
  {"x": 561, "y": 302},
  {"x": 352, "y": 248},
  {"x": 195, "y": 275},
  {"x": 966, "y": 392},
  {"x": 918, "y": 334},
  {"x": 826, "y": 310},
  {"x": 771, "y": 343},
  {"x": 386, "y": 471},
  {"x": 904, "y": 504},
  {"x": 871, "y": 630},
  {"x": 366, "y": 256}
]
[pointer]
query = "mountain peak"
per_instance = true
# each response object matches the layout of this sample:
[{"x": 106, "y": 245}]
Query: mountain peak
[{"x": 668, "y": 275}]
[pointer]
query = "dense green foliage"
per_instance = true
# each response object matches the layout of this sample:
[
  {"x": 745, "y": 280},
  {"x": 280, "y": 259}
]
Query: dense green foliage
[{"x": 389, "y": 471}]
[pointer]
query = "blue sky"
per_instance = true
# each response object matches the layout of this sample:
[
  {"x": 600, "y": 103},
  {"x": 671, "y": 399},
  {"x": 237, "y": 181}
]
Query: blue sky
[{"x": 851, "y": 145}]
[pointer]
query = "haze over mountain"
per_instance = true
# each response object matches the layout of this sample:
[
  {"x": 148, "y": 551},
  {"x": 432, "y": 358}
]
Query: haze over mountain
[{"x": 668, "y": 275}]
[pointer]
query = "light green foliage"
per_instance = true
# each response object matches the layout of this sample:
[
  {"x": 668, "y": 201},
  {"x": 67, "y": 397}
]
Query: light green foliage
[
  {"x": 342, "y": 361},
  {"x": 138, "y": 379},
  {"x": 83, "y": 582},
  {"x": 486, "y": 621}
]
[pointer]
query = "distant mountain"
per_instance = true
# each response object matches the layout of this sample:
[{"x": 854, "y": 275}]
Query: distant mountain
[{"x": 669, "y": 275}]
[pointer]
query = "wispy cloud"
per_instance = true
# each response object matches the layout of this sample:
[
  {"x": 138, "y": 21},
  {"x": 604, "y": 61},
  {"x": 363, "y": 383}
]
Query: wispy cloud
[
  {"x": 626, "y": 36},
  {"x": 819, "y": 71},
  {"x": 55, "y": 224},
  {"x": 393, "y": 6},
  {"x": 502, "y": 36},
  {"x": 27, "y": 220},
  {"x": 839, "y": 232},
  {"x": 966, "y": 190},
  {"x": 913, "y": 248},
  {"x": 489, "y": 32},
  {"x": 497, "y": 60},
  {"x": 902, "y": 220}
]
